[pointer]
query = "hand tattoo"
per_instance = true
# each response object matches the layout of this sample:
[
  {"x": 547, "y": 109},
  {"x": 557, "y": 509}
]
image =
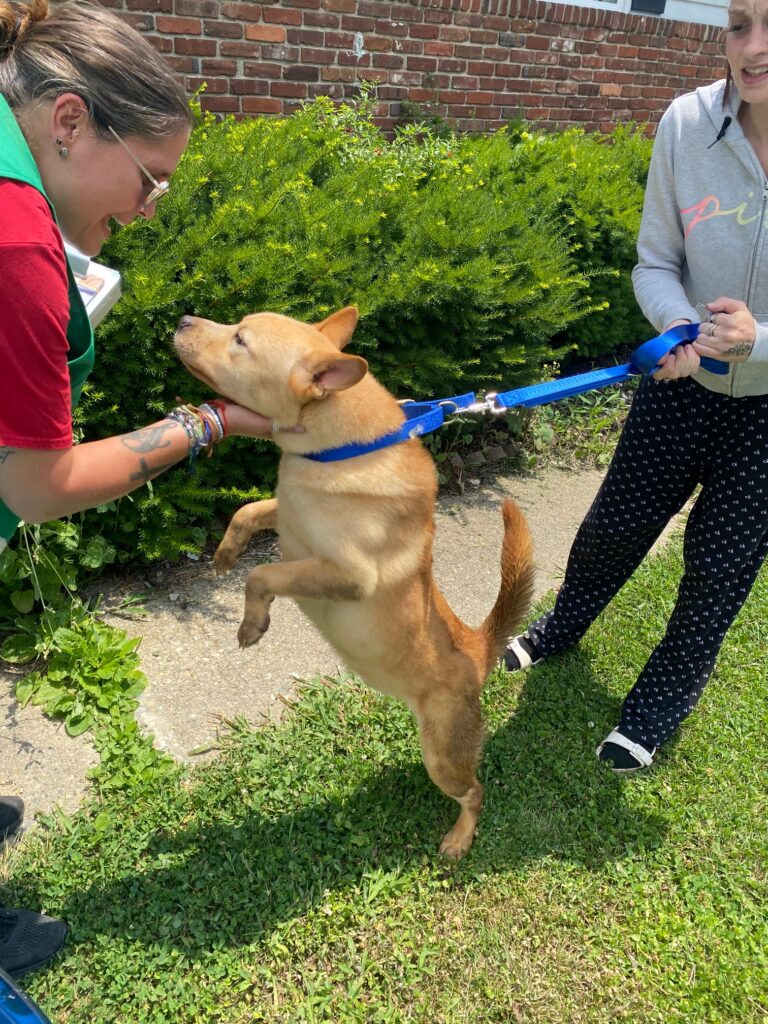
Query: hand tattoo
[
  {"x": 5, "y": 454},
  {"x": 148, "y": 439},
  {"x": 742, "y": 349}
]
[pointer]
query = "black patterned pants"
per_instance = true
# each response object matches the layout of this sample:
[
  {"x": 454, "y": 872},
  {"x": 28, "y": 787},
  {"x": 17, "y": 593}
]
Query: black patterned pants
[{"x": 677, "y": 435}]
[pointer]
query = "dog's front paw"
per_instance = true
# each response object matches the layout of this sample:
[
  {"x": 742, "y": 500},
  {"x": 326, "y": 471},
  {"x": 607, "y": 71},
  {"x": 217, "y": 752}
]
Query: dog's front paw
[{"x": 251, "y": 631}]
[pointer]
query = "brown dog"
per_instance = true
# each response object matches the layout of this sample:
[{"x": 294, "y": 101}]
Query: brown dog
[{"x": 356, "y": 536}]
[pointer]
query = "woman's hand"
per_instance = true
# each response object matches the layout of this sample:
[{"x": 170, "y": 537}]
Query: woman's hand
[
  {"x": 682, "y": 361},
  {"x": 241, "y": 422},
  {"x": 729, "y": 334}
]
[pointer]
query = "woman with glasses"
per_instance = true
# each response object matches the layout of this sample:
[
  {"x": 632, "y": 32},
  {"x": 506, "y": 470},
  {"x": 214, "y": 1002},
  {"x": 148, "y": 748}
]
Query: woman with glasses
[{"x": 92, "y": 126}]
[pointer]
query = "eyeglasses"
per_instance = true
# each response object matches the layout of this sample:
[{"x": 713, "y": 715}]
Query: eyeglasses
[{"x": 159, "y": 188}]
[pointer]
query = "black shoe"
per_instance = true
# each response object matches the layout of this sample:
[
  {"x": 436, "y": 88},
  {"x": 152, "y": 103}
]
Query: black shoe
[
  {"x": 28, "y": 940},
  {"x": 11, "y": 814},
  {"x": 520, "y": 653}
]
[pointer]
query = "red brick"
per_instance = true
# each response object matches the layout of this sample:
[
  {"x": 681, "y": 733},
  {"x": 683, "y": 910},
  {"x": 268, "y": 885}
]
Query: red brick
[
  {"x": 425, "y": 32},
  {"x": 186, "y": 65},
  {"x": 179, "y": 26},
  {"x": 197, "y": 8},
  {"x": 227, "y": 68},
  {"x": 213, "y": 86},
  {"x": 220, "y": 104},
  {"x": 339, "y": 40},
  {"x": 321, "y": 19},
  {"x": 338, "y": 75},
  {"x": 379, "y": 43},
  {"x": 149, "y": 5},
  {"x": 198, "y": 47},
  {"x": 239, "y": 48},
  {"x": 265, "y": 33},
  {"x": 261, "y": 70},
  {"x": 160, "y": 43},
  {"x": 223, "y": 29},
  {"x": 307, "y": 37},
  {"x": 279, "y": 16},
  {"x": 387, "y": 60},
  {"x": 241, "y": 11},
  {"x": 250, "y": 87},
  {"x": 252, "y": 105},
  {"x": 291, "y": 89},
  {"x": 312, "y": 56},
  {"x": 439, "y": 49}
]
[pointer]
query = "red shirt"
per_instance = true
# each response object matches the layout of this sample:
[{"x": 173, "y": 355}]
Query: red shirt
[{"x": 35, "y": 396}]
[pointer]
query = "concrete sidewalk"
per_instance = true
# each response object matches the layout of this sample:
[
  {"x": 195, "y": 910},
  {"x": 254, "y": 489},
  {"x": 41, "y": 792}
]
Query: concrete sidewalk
[{"x": 198, "y": 677}]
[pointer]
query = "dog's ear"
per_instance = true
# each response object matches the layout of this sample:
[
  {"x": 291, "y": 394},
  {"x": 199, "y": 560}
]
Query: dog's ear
[
  {"x": 339, "y": 326},
  {"x": 319, "y": 373}
]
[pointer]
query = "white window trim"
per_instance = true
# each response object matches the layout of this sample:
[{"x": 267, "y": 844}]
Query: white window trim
[{"x": 622, "y": 6}]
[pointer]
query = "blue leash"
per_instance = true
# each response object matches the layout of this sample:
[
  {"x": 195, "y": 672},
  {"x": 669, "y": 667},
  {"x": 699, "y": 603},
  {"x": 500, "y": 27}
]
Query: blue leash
[
  {"x": 16, "y": 1007},
  {"x": 424, "y": 417}
]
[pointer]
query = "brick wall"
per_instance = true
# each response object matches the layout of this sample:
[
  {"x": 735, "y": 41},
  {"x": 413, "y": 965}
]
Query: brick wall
[{"x": 475, "y": 62}]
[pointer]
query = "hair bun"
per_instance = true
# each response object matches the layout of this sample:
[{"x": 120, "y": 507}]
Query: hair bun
[{"x": 13, "y": 26}]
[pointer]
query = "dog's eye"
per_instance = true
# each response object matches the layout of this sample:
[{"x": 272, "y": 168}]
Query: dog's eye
[{"x": 240, "y": 340}]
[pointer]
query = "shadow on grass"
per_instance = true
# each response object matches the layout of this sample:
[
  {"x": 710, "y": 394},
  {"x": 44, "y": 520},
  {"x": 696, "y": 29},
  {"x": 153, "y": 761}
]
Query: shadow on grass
[{"x": 228, "y": 874}]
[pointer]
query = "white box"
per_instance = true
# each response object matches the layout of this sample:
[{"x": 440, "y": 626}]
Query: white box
[{"x": 99, "y": 285}]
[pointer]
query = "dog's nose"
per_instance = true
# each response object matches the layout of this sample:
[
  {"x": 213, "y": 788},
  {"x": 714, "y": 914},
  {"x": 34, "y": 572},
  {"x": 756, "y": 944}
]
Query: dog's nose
[{"x": 186, "y": 321}]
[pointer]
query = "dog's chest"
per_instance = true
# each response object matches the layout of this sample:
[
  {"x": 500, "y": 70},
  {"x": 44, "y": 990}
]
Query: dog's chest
[{"x": 376, "y": 527}]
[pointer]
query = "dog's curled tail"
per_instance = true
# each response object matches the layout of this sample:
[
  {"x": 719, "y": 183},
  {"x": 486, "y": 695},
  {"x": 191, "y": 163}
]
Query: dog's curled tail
[{"x": 516, "y": 591}]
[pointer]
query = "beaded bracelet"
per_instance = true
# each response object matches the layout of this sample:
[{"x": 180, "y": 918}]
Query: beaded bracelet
[{"x": 204, "y": 426}]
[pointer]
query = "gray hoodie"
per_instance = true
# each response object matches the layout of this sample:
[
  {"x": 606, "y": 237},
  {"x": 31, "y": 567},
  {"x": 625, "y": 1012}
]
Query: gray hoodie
[{"x": 702, "y": 233}]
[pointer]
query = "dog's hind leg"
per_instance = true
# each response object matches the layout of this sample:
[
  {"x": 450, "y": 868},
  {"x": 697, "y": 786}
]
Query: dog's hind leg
[
  {"x": 451, "y": 730},
  {"x": 258, "y": 515}
]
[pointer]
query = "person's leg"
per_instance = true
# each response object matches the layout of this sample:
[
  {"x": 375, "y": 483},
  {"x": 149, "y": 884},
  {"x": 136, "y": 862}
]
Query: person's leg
[
  {"x": 27, "y": 940},
  {"x": 11, "y": 815},
  {"x": 726, "y": 543},
  {"x": 650, "y": 478}
]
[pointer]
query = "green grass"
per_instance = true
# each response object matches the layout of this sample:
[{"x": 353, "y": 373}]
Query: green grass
[{"x": 295, "y": 878}]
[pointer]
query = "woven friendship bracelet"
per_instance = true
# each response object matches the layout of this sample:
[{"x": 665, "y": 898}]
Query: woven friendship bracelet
[{"x": 204, "y": 426}]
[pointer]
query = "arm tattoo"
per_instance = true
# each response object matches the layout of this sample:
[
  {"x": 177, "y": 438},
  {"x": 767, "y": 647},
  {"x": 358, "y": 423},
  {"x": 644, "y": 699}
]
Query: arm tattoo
[
  {"x": 742, "y": 349},
  {"x": 148, "y": 439},
  {"x": 5, "y": 454},
  {"x": 147, "y": 472}
]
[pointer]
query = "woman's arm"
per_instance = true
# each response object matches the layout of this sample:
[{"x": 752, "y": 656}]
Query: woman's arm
[
  {"x": 41, "y": 485},
  {"x": 661, "y": 240}
]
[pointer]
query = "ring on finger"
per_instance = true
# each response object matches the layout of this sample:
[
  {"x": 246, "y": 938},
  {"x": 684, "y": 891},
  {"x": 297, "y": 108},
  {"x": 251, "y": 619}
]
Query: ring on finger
[{"x": 712, "y": 318}]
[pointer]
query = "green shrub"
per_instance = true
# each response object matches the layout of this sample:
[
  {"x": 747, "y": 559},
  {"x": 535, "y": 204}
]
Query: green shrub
[
  {"x": 466, "y": 257},
  {"x": 599, "y": 183}
]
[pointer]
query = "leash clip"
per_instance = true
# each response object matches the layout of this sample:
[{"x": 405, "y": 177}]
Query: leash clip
[{"x": 486, "y": 404}]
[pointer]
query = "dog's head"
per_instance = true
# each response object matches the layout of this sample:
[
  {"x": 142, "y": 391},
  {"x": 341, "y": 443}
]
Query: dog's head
[{"x": 270, "y": 363}]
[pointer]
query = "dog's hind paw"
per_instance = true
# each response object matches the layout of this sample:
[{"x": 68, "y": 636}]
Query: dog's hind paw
[
  {"x": 455, "y": 844},
  {"x": 224, "y": 560},
  {"x": 250, "y": 633}
]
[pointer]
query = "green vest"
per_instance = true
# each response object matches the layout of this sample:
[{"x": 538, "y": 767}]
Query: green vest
[{"x": 16, "y": 162}]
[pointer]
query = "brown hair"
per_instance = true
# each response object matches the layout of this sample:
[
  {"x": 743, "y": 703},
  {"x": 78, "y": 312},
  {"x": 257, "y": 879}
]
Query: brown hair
[{"x": 79, "y": 47}]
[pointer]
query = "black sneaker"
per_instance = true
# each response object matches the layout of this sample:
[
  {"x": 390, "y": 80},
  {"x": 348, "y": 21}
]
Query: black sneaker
[
  {"x": 11, "y": 814},
  {"x": 28, "y": 940},
  {"x": 520, "y": 653}
]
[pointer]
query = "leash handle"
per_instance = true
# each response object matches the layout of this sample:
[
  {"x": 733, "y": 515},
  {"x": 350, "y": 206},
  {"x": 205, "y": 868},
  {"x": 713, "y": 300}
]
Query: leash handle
[{"x": 645, "y": 359}]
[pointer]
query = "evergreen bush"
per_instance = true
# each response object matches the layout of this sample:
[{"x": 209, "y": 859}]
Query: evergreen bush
[{"x": 466, "y": 257}]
